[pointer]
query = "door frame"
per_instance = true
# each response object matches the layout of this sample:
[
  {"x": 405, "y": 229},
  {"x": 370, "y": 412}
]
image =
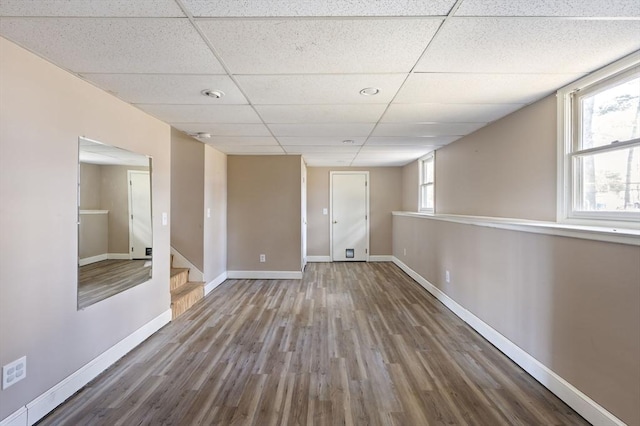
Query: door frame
[
  {"x": 129, "y": 219},
  {"x": 367, "y": 202}
]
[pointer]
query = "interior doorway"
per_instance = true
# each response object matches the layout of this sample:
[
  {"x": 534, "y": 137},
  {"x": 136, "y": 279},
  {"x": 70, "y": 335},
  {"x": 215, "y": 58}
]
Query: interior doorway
[
  {"x": 349, "y": 221},
  {"x": 140, "y": 233}
]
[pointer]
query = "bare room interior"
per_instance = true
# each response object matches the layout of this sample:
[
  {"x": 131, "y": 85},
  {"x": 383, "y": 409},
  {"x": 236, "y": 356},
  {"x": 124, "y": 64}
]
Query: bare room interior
[{"x": 320, "y": 212}]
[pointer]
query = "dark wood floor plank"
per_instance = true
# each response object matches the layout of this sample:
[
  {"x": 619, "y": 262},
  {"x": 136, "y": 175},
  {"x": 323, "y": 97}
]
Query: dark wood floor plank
[{"x": 349, "y": 344}]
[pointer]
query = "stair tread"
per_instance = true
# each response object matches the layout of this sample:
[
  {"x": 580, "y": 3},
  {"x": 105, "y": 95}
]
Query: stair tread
[{"x": 184, "y": 289}]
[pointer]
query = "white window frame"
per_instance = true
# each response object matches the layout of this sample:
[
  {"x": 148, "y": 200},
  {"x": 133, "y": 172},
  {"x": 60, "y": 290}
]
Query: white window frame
[
  {"x": 568, "y": 131},
  {"x": 423, "y": 182}
]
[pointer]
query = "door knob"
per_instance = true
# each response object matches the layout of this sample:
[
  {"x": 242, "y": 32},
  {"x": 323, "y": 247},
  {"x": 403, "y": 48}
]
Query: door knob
[{"x": 335, "y": 221}]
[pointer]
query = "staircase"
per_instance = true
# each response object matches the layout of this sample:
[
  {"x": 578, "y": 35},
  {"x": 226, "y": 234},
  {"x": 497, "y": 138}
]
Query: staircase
[{"x": 184, "y": 293}]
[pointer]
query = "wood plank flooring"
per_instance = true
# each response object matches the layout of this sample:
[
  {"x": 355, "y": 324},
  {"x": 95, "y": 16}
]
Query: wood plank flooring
[
  {"x": 101, "y": 280},
  {"x": 349, "y": 344}
]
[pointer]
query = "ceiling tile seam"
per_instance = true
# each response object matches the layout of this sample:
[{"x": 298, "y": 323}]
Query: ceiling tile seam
[
  {"x": 225, "y": 67},
  {"x": 318, "y": 18},
  {"x": 452, "y": 11},
  {"x": 551, "y": 18}
]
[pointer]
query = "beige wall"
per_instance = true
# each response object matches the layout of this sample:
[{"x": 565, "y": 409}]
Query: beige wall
[
  {"x": 44, "y": 110},
  {"x": 385, "y": 196},
  {"x": 410, "y": 182},
  {"x": 215, "y": 225},
  {"x": 90, "y": 186},
  {"x": 187, "y": 197},
  {"x": 263, "y": 212},
  {"x": 93, "y": 235},
  {"x": 572, "y": 304},
  {"x": 507, "y": 169}
]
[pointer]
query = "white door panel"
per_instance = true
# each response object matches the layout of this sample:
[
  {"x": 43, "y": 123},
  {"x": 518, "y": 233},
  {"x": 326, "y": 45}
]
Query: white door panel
[
  {"x": 140, "y": 233},
  {"x": 349, "y": 216}
]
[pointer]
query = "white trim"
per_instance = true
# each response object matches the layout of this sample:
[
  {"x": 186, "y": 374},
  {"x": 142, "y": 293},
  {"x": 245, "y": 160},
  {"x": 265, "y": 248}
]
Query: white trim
[
  {"x": 381, "y": 258},
  {"x": 368, "y": 210},
  {"x": 318, "y": 259},
  {"x": 581, "y": 403},
  {"x": 45, "y": 403},
  {"x": 118, "y": 256},
  {"x": 94, "y": 211},
  {"x": 179, "y": 261},
  {"x": 597, "y": 233},
  {"x": 92, "y": 259},
  {"x": 17, "y": 418},
  {"x": 264, "y": 275},
  {"x": 215, "y": 283}
]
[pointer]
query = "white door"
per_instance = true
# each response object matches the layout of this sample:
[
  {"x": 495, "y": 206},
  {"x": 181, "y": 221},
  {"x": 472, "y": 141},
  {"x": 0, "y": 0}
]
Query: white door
[
  {"x": 304, "y": 215},
  {"x": 349, "y": 216},
  {"x": 140, "y": 235}
]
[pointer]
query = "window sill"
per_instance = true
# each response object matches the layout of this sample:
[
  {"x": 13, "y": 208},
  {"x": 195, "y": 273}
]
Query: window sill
[{"x": 597, "y": 233}]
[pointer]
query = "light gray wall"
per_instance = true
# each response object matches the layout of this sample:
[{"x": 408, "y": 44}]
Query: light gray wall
[{"x": 44, "y": 110}]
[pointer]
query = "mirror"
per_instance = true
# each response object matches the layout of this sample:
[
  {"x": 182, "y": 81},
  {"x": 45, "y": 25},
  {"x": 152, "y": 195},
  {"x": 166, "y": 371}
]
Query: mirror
[{"x": 114, "y": 221}]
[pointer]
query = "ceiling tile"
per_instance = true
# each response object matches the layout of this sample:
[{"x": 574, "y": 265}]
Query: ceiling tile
[
  {"x": 168, "y": 88},
  {"x": 329, "y": 89},
  {"x": 609, "y": 8},
  {"x": 425, "y": 129},
  {"x": 325, "y": 141},
  {"x": 381, "y": 150},
  {"x": 531, "y": 45},
  {"x": 447, "y": 113},
  {"x": 346, "y": 131},
  {"x": 202, "y": 113},
  {"x": 110, "y": 45},
  {"x": 481, "y": 88},
  {"x": 241, "y": 140},
  {"x": 321, "y": 113},
  {"x": 223, "y": 129},
  {"x": 380, "y": 163},
  {"x": 269, "y": 46},
  {"x": 280, "y": 8},
  {"x": 317, "y": 149},
  {"x": 425, "y": 141},
  {"x": 250, "y": 150},
  {"x": 91, "y": 8}
]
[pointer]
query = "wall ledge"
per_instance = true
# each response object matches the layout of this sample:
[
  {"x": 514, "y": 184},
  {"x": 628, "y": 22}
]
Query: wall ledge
[
  {"x": 572, "y": 396},
  {"x": 608, "y": 234}
]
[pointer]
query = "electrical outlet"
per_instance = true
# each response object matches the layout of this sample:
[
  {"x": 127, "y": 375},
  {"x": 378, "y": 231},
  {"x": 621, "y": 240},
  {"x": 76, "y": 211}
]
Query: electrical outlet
[
  {"x": 263, "y": 258},
  {"x": 13, "y": 372},
  {"x": 325, "y": 211},
  {"x": 405, "y": 252},
  {"x": 447, "y": 276}
]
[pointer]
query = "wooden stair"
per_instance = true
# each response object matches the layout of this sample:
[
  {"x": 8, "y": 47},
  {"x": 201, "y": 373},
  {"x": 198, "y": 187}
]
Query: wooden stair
[{"x": 184, "y": 293}]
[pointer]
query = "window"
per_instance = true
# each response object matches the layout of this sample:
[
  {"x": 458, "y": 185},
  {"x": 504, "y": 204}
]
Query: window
[
  {"x": 426, "y": 165},
  {"x": 600, "y": 139}
]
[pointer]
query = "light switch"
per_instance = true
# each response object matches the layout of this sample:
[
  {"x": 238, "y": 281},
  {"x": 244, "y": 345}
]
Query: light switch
[
  {"x": 325, "y": 211},
  {"x": 165, "y": 218},
  {"x": 208, "y": 212}
]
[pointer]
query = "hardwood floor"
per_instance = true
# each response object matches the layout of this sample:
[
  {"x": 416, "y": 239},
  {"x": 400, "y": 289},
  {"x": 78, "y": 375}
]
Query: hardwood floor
[
  {"x": 350, "y": 344},
  {"x": 101, "y": 280}
]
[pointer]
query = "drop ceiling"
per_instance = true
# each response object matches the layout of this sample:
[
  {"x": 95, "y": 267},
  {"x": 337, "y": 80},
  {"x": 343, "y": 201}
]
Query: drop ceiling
[{"x": 292, "y": 71}]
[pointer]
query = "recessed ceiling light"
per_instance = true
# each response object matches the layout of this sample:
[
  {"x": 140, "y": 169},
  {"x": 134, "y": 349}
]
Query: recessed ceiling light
[
  {"x": 348, "y": 141},
  {"x": 215, "y": 94},
  {"x": 369, "y": 91}
]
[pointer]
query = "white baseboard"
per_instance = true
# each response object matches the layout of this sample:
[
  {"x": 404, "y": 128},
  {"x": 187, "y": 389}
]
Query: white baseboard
[
  {"x": 18, "y": 418},
  {"x": 215, "y": 282},
  {"x": 318, "y": 258},
  {"x": 92, "y": 259},
  {"x": 573, "y": 397},
  {"x": 264, "y": 275},
  {"x": 45, "y": 403},
  {"x": 118, "y": 256},
  {"x": 179, "y": 261},
  {"x": 381, "y": 258}
]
